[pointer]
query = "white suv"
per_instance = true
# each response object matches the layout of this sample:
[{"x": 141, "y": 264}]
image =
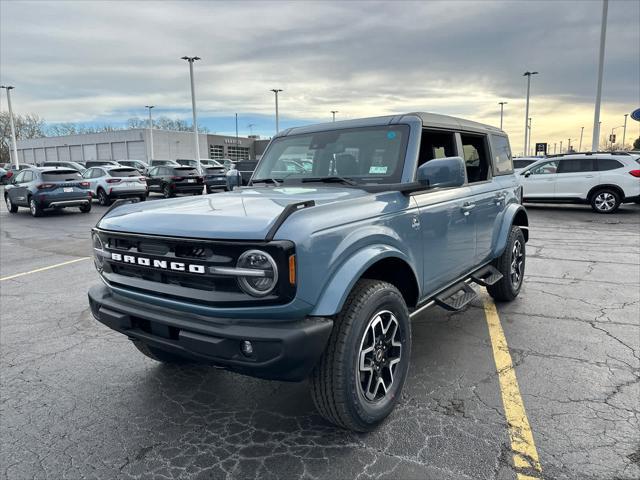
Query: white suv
[{"x": 601, "y": 179}]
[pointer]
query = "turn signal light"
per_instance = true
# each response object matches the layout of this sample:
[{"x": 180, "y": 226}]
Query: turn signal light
[
  {"x": 635, "y": 173},
  {"x": 292, "y": 269}
]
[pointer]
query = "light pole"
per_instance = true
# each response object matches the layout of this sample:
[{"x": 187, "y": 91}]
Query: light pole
[
  {"x": 529, "y": 144},
  {"x": 333, "y": 112},
  {"x": 569, "y": 146},
  {"x": 237, "y": 143},
  {"x": 581, "y": 132},
  {"x": 611, "y": 137},
  {"x": 149, "y": 107},
  {"x": 554, "y": 148},
  {"x": 250, "y": 127},
  {"x": 276, "y": 91},
  {"x": 502, "y": 104},
  {"x": 560, "y": 146},
  {"x": 8, "y": 88},
  {"x": 193, "y": 108},
  {"x": 624, "y": 132},
  {"x": 526, "y": 112},
  {"x": 596, "y": 116}
]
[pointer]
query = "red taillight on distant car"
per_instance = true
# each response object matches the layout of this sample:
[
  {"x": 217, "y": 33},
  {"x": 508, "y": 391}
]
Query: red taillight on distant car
[
  {"x": 142, "y": 180},
  {"x": 635, "y": 173},
  {"x": 9, "y": 174},
  {"x": 176, "y": 178},
  {"x": 85, "y": 184},
  {"x": 42, "y": 186},
  {"x": 113, "y": 180}
]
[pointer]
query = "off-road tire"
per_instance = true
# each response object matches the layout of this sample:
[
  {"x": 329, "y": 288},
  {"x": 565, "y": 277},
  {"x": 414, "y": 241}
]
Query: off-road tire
[
  {"x": 34, "y": 208},
  {"x": 85, "y": 208},
  {"x": 505, "y": 290},
  {"x": 334, "y": 381},
  {"x": 159, "y": 355},
  {"x": 10, "y": 205},
  {"x": 103, "y": 198},
  {"x": 598, "y": 204}
]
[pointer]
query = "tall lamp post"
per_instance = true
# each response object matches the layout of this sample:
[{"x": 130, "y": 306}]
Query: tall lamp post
[
  {"x": 611, "y": 137},
  {"x": 8, "y": 88},
  {"x": 502, "y": 104},
  {"x": 526, "y": 112},
  {"x": 276, "y": 91},
  {"x": 624, "y": 132},
  {"x": 193, "y": 108},
  {"x": 529, "y": 144},
  {"x": 596, "y": 116},
  {"x": 333, "y": 112},
  {"x": 581, "y": 132},
  {"x": 149, "y": 107},
  {"x": 560, "y": 146}
]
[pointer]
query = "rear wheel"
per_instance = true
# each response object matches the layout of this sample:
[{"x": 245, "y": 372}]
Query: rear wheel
[
  {"x": 86, "y": 208},
  {"x": 159, "y": 355},
  {"x": 360, "y": 376},
  {"x": 143, "y": 198},
  {"x": 103, "y": 198},
  {"x": 605, "y": 200},
  {"x": 10, "y": 206},
  {"x": 511, "y": 265},
  {"x": 166, "y": 191},
  {"x": 34, "y": 208}
]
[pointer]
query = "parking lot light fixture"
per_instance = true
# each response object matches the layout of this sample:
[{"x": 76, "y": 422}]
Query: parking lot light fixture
[
  {"x": 149, "y": 107},
  {"x": 333, "y": 112},
  {"x": 580, "y": 145},
  {"x": 595, "y": 141},
  {"x": 276, "y": 91},
  {"x": 624, "y": 132},
  {"x": 191, "y": 60},
  {"x": 8, "y": 88},
  {"x": 526, "y": 112},
  {"x": 560, "y": 146},
  {"x": 502, "y": 104}
]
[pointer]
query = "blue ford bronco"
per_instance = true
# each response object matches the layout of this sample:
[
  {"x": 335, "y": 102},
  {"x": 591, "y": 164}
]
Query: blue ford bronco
[{"x": 314, "y": 270}]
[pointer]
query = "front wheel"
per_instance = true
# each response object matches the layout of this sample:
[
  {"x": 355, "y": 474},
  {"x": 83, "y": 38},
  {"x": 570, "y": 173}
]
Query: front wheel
[
  {"x": 605, "y": 201},
  {"x": 166, "y": 191},
  {"x": 360, "y": 376},
  {"x": 103, "y": 198},
  {"x": 511, "y": 265},
  {"x": 10, "y": 206}
]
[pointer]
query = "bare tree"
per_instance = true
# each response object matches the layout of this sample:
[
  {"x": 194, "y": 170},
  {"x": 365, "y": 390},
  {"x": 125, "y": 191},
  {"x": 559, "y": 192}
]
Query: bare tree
[
  {"x": 164, "y": 123},
  {"x": 27, "y": 126}
]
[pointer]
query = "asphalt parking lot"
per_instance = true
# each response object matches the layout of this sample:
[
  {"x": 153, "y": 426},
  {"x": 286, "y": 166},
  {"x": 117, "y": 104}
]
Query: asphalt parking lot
[{"x": 78, "y": 401}]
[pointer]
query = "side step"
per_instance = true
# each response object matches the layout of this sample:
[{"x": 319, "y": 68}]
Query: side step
[
  {"x": 486, "y": 276},
  {"x": 457, "y": 297}
]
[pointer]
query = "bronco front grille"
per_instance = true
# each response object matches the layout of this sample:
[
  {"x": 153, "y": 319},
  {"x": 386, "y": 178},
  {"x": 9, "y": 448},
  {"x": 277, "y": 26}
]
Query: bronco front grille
[{"x": 145, "y": 263}]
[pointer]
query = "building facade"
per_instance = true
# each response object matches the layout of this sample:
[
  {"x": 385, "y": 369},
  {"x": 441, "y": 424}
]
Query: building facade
[{"x": 135, "y": 144}]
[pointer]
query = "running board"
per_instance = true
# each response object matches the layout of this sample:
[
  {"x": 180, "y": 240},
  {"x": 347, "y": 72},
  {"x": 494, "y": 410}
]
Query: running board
[
  {"x": 487, "y": 276},
  {"x": 456, "y": 297}
]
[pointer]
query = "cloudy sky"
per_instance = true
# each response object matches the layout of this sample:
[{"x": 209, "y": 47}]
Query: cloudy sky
[{"x": 101, "y": 62}]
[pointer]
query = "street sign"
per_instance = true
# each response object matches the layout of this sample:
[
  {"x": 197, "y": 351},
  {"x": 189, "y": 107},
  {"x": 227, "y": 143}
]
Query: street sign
[
  {"x": 636, "y": 114},
  {"x": 541, "y": 148},
  {"x": 612, "y": 138}
]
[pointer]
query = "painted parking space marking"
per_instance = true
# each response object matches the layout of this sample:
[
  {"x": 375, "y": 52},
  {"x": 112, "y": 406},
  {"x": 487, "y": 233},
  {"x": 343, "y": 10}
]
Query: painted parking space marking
[
  {"x": 10, "y": 277},
  {"x": 525, "y": 457}
]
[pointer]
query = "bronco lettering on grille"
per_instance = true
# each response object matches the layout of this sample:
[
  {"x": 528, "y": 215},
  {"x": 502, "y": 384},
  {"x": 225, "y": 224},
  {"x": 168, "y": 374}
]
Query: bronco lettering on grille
[{"x": 161, "y": 264}]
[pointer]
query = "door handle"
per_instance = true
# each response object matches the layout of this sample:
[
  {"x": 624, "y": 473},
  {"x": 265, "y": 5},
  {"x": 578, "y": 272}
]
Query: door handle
[{"x": 467, "y": 207}]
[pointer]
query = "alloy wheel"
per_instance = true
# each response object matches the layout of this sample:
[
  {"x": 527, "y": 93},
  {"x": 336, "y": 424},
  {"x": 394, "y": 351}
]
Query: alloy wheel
[
  {"x": 379, "y": 355},
  {"x": 605, "y": 201},
  {"x": 33, "y": 207},
  {"x": 7, "y": 200},
  {"x": 517, "y": 262}
]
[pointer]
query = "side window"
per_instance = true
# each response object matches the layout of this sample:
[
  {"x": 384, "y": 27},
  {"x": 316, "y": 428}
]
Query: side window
[
  {"x": 474, "y": 149},
  {"x": 576, "y": 165},
  {"x": 153, "y": 171},
  {"x": 436, "y": 144},
  {"x": 20, "y": 177},
  {"x": 28, "y": 176},
  {"x": 546, "y": 168},
  {"x": 88, "y": 173},
  {"x": 502, "y": 162},
  {"x": 605, "y": 164}
]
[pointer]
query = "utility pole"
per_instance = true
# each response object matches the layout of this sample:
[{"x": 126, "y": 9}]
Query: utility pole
[
  {"x": 149, "y": 107},
  {"x": 581, "y": 132},
  {"x": 502, "y": 104},
  {"x": 526, "y": 112},
  {"x": 237, "y": 142},
  {"x": 276, "y": 91},
  {"x": 596, "y": 116},
  {"x": 193, "y": 108},
  {"x": 554, "y": 148},
  {"x": 560, "y": 146},
  {"x": 333, "y": 112},
  {"x": 569, "y": 146},
  {"x": 8, "y": 88},
  {"x": 624, "y": 132},
  {"x": 529, "y": 144}
]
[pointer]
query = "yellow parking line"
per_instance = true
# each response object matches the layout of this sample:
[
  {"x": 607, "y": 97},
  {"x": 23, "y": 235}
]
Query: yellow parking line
[
  {"x": 9, "y": 277},
  {"x": 526, "y": 456}
]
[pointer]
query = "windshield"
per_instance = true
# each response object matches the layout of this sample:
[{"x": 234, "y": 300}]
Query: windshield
[{"x": 363, "y": 155}]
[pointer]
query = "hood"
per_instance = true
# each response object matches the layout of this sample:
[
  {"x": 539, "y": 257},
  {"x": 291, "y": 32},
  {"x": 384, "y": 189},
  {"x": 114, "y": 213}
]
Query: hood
[{"x": 245, "y": 214}]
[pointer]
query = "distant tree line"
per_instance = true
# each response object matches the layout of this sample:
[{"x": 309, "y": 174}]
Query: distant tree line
[{"x": 32, "y": 125}]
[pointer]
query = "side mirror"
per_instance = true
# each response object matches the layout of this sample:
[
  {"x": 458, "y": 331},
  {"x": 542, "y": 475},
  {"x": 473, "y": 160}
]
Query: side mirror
[
  {"x": 527, "y": 174},
  {"x": 442, "y": 173}
]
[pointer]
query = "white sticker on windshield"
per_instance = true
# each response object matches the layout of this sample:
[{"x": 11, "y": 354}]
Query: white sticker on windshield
[{"x": 382, "y": 170}]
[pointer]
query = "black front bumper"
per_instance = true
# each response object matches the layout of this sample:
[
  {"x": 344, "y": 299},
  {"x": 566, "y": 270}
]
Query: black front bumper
[{"x": 281, "y": 350}]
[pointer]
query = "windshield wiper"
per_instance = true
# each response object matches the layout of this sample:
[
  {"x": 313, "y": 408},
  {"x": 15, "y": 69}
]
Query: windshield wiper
[
  {"x": 275, "y": 181},
  {"x": 332, "y": 179}
]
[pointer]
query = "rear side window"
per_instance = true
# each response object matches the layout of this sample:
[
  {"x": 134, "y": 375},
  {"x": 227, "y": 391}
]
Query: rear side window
[
  {"x": 61, "y": 176},
  {"x": 502, "y": 161},
  {"x": 474, "y": 148},
  {"x": 608, "y": 164},
  {"x": 436, "y": 144},
  {"x": 575, "y": 165},
  {"x": 123, "y": 172},
  {"x": 185, "y": 171}
]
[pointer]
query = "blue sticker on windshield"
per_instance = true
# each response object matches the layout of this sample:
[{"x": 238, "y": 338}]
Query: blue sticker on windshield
[{"x": 391, "y": 135}]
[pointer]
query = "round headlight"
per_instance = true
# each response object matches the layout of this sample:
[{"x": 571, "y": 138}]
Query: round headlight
[
  {"x": 98, "y": 250},
  {"x": 266, "y": 273}
]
